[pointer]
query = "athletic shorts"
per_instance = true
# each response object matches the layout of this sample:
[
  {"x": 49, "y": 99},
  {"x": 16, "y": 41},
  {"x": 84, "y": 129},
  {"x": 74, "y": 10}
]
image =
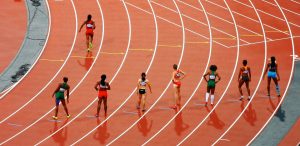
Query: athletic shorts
[
  {"x": 211, "y": 84},
  {"x": 102, "y": 94},
  {"x": 59, "y": 96},
  {"x": 272, "y": 74},
  {"x": 89, "y": 32},
  {"x": 245, "y": 78},
  {"x": 142, "y": 91}
]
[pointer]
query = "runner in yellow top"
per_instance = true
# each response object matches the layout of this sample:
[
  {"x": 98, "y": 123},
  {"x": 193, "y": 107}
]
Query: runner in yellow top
[{"x": 244, "y": 77}]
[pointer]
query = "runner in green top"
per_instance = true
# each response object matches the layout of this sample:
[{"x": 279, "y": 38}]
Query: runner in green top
[
  {"x": 211, "y": 83},
  {"x": 60, "y": 97}
]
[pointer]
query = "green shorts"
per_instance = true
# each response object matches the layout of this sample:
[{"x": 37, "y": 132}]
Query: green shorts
[
  {"x": 211, "y": 84},
  {"x": 59, "y": 95}
]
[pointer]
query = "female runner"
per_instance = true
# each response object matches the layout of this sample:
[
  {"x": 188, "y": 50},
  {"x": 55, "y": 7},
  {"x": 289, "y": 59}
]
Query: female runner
[
  {"x": 273, "y": 73},
  {"x": 102, "y": 86},
  {"x": 142, "y": 84},
  {"x": 244, "y": 77},
  {"x": 177, "y": 76},
  {"x": 211, "y": 83},
  {"x": 59, "y": 93},
  {"x": 90, "y": 26}
]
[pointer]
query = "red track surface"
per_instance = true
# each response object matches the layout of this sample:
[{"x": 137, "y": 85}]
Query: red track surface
[
  {"x": 128, "y": 48},
  {"x": 13, "y": 29}
]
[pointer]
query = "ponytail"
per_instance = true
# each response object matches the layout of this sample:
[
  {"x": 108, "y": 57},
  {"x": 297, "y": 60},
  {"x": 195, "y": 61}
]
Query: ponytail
[{"x": 102, "y": 82}]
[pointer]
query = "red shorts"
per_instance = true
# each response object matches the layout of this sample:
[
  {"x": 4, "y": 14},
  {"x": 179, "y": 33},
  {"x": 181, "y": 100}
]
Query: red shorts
[
  {"x": 89, "y": 32},
  {"x": 102, "y": 94},
  {"x": 177, "y": 84}
]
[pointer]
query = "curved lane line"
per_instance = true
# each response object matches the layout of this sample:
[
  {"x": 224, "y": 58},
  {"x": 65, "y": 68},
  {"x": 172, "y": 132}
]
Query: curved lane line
[
  {"x": 151, "y": 62},
  {"x": 199, "y": 83},
  {"x": 238, "y": 52},
  {"x": 291, "y": 76},
  {"x": 260, "y": 80},
  {"x": 6, "y": 91},
  {"x": 181, "y": 56}
]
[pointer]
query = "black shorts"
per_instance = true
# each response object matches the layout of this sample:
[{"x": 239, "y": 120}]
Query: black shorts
[
  {"x": 142, "y": 91},
  {"x": 245, "y": 78}
]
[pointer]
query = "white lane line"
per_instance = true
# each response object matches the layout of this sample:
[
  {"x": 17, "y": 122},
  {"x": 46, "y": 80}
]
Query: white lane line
[
  {"x": 198, "y": 21},
  {"x": 295, "y": 1},
  {"x": 199, "y": 83},
  {"x": 248, "y": 18},
  {"x": 31, "y": 99},
  {"x": 264, "y": 41},
  {"x": 6, "y": 91},
  {"x": 291, "y": 75},
  {"x": 179, "y": 63},
  {"x": 219, "y": 17},
  {"x": 151, "y": 62},
  {"x": 282, "y": 8},
  {"x": 260, "y": 79},
  {"x": 231, "y": 78},
  {"x": 175, "y": 24},
  {"x": 267, "y": 13}
]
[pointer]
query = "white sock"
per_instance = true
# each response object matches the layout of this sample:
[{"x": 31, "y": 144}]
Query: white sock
[
  {"x": 212, "y": 99},
  {"x": 206, "y": 97}
]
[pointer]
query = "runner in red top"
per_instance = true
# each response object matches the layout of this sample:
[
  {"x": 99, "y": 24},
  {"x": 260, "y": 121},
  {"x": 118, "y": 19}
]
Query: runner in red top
[
  {"x": 177, "y": 76},
  {"x": 90, "y": 26},
  {"x": 102, "y": 87}
]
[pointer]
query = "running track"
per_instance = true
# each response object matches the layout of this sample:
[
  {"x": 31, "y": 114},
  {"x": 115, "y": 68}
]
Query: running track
[{"x": 137, "y": 36}]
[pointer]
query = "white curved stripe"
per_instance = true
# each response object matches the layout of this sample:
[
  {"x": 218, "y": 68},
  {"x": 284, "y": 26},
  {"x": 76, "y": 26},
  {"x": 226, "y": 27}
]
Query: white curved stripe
[
  {"x": 156, "y": 42},
  {"x": 199, "y": 83},
  {"x": 282, "y": 8},
  {"x": 44, "y": 87},
  {"x": 291, "y": 75},
  {"x": 238, "y": 53},
  {"x": 181, "y": 56},
  {"x": 6, "y": 91},
  {"x": 96, "y": 57},
  {"x": 260, "y": 79},
  {"x": 35, "y": 96}
]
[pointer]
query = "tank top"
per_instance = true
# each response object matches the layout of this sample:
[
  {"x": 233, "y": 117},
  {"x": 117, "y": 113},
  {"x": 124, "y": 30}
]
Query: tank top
[
  {"x": 143, "y": 83},
  {"x": 89, "y": 24},
  {"x": 272, "y": 68},
  {"x": 212, "y": 76}
]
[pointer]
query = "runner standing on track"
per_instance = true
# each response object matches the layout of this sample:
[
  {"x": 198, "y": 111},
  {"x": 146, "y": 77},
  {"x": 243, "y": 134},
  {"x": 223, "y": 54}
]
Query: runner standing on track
[
  {"x": 90, "y": 26},
  {"x": 177, "y": 76},
  {"x": 272, "y": 69},
  {"x": 141, "y": 91},
  {"x": 59, "y": 94},
  {"x": 244, "y": 77},
  {"x": 211, "y": 83},
  {"x": 102, "y": 86}
]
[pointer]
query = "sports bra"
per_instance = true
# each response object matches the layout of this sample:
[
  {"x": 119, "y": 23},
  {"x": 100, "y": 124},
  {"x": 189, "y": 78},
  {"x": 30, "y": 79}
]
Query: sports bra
[
  {"x": 63, "y": 87},
  {"x": 272, "y": 68},
  {"x": 177, "y": 74},
  {"x": 103, "y": 87},
  {"x": 245, "y": 71},
  {"x": 143, "y": 83}
]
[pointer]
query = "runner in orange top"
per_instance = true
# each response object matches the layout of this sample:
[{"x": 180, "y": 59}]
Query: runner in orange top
[
  {"x": 177, "y": 76},
  {"x": 244, "y": 77},
  {"x": 90, "y": 26},
  {"x": 102, "y": 87}
]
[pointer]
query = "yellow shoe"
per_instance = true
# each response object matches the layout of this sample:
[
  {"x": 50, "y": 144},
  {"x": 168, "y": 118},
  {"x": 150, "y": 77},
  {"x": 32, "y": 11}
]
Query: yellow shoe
[
  {"x": 55, "y": 118},
  {"x": 90, "y": 45},
  {"x": 68, "y": 116}
]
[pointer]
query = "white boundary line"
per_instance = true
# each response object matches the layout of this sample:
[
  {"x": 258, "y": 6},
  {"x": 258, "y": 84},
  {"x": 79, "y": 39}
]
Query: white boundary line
[
  {"x": 237, "y": 58},
  {"x": 6, "y": 91},
  {"x": 295, "y": 2},
  {"x": 291, "y": 75},
  {"x": 199, "y": 83},
  {"x": 180, "y": 60},
  {"x": 260, "y": 80},
  {"x": 198, "y": 21},
  {"x": 221, "y": 18},
  {"x": 282, "y": 8},
  {"x": 268, "y": 14},
  {"x": 40, "y": 91},
  {"x": 115, "y": 111},
  {"x": 249, "y": 18},
  {"x": 175, "y": 24}
]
